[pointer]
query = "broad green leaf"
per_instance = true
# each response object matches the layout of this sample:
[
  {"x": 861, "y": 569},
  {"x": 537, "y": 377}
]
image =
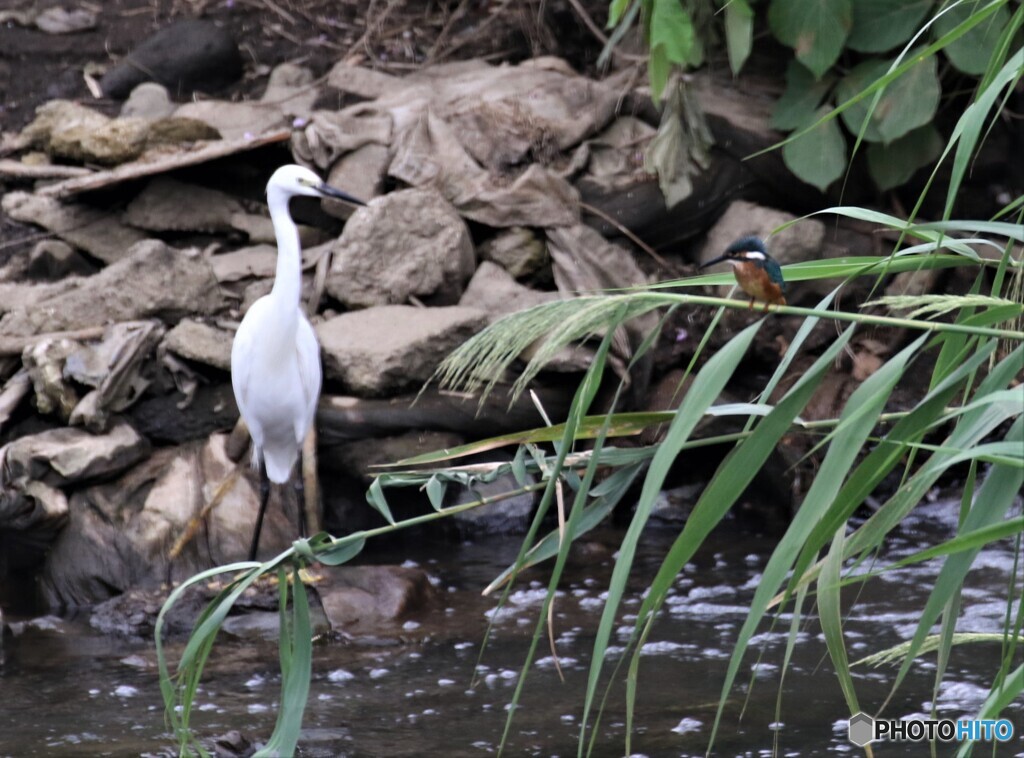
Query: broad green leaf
[
  {"x": 815, "y": 29},
  {"x": 435, "y": 492},
  {"x": 893, "y": 164},
  {"x": 908, "y": 102},
  {"x": 672, "y": 28},
  {"x": 880, "y": 25},
  {"x": 658, "y": 68},
  {"x": 799, "y": 103},
  {"x": 343, "y": 553},
  {"x": 375, "y": 497},
  {"x": 973, "y": 51},
  {"x": 819, "y": 156},
  {"x": 739, "y": 33},
  {"x": 672, "y": 41}
]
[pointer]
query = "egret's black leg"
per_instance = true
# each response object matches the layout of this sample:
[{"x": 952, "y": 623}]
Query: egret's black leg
[
  {"x": 300, "y": 495},
  {"x": 264, "y": 497}
]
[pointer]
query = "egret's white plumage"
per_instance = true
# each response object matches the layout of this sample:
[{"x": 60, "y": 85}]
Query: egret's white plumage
[{"x": 275, "y": 358}]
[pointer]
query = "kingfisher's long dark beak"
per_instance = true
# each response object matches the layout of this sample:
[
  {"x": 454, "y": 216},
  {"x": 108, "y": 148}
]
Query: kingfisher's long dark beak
[
  {"x": 328, "y": 191},
  {"x": 713, "y": 261}
]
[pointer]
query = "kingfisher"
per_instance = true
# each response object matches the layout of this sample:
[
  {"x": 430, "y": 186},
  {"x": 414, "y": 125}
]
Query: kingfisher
[{"x": 757, "y": 273}]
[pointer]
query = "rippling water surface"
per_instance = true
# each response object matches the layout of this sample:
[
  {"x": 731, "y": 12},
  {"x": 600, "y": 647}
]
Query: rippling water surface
[{"x": 429, "y": 690}]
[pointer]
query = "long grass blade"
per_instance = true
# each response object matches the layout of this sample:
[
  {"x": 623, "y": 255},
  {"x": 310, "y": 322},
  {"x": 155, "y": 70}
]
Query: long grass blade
[
  {"x": 866, "y": 403},
  {"x": 705, "y": 389}
]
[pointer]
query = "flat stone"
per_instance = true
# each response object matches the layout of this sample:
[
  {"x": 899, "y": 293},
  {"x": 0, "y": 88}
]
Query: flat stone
[
  {"x": 389, "y": 348},
  {"x": 493, "y": 290},
  {"x": 96, "y": 231},
  {"x": 201, "y": 342},
  {"x": 17, "y": 295},
  {"x": 364, "y": 82},
  {"x": 168, "y": 205},
  {"x": 361, "y": 173},
  {"x": 235, "y": 120},
  {"x": 255, "y": 261},
  {"x": 67, "y": 455},
  {"x": 152, "y": 280},
  {"x": 406, "y": 243}
]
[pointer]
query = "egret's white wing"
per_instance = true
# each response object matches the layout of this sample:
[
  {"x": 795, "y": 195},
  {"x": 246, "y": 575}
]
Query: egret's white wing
[
  {"x": 309, "y": 373},
  {"x": 243, "y": 358}
]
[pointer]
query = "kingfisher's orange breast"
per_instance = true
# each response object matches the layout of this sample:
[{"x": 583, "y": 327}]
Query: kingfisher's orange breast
[{"x": 755, "y": 281}]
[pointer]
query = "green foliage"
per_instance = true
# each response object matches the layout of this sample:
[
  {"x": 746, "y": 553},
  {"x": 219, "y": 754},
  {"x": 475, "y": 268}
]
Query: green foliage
[{"x": 837, "y": 59}]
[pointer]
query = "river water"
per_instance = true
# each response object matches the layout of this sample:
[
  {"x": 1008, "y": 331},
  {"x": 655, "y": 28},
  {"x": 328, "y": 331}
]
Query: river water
[{"x": 68, "y": 691}]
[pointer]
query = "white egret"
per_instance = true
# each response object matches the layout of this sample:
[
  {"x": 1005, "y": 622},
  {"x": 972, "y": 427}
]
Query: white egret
[{"x": 275, "y": 358}]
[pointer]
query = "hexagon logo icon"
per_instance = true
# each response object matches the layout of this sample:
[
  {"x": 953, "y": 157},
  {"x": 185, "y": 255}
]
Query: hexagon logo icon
[{"x": 862, "y": 729}]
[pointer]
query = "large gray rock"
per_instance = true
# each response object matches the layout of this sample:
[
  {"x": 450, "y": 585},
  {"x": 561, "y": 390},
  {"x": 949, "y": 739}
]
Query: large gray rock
[
  {"x": 406, "y": 243},
  {"x": 63, "y": 456},
  {"x": 99, "y": 232},
  {"x": 389, "y": 348},
  {"x": 153, "y": 280}
]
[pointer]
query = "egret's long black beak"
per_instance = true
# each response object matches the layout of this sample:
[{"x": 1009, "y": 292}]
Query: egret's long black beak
[
  {"x": 713, "y": 261},
  {"x": 328, "y": 191}
]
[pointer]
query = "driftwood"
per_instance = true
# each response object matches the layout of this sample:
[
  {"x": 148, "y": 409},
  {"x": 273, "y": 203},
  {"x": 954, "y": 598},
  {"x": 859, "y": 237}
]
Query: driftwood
[
  {"x": 19, "y": 170},
  {"x": 162, "y": 160},
  {"x": 341, "y": 418}
]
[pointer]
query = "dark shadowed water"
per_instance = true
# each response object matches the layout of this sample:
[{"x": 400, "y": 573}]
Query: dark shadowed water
[{"x": 67, "y": 691}]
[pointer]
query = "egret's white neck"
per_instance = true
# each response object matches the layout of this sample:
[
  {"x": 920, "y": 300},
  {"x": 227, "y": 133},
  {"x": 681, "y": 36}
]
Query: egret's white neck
[{"x": 288, "y": 278}]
